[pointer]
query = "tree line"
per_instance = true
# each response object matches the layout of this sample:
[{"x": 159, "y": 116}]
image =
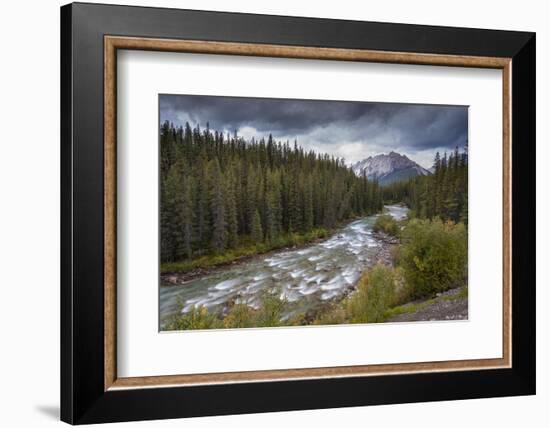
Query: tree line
[
  {"x": 443, "y": 194},
  {"x": 221, "y": 191}
]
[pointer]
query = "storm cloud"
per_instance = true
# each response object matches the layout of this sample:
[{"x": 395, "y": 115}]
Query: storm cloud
[{"x": 352, "y": 130}]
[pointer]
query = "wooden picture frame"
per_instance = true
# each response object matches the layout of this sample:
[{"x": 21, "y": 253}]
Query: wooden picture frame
[{"x": 91, "y": 390}]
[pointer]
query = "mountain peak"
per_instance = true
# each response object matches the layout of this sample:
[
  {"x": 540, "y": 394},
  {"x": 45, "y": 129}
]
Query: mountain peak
[{"x": 388, "y": 168}]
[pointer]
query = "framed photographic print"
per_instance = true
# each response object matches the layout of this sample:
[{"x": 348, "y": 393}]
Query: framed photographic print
[{"x": 264, "y": 213}]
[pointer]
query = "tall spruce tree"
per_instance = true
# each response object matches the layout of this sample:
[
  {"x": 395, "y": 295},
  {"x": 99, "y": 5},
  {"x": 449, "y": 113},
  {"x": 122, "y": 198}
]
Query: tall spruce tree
[
  {"x": 231, "y": 210},
  {"x": 217, "y": 207},
  {"x": 256, "y": 227}
]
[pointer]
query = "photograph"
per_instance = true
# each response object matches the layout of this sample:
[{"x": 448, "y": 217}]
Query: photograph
[
  {"x": 258, "y": 211},
  {"x": 290, "y": 212}
]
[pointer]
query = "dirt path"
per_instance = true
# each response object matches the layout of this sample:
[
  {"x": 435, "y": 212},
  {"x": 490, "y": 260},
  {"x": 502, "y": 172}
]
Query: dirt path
[{"x": 450, "y": 305}]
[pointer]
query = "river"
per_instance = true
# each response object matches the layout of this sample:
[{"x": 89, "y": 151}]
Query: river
[{"x": 306, "y": 277}]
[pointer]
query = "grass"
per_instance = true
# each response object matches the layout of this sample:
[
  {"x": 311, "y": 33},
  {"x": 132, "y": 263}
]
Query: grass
[
  {"x": 462, "y": 294},
  {"x": 231, "y": 255},
  {"x": 407, "y": 308},
  {"x": 211, "y": 260}
]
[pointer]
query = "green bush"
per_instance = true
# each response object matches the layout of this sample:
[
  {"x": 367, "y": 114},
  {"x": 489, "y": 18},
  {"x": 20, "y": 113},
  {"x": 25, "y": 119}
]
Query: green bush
[
  {"x": 335, "y": 314},
  {"x": 240, "y": 316},
  {"x": 195, "y": 319},
  {"x": 271, "y": 311},
  {"x": 434, "y": 256},
  {"x": 375, "y": 293},
  {"x": 387, "y": 224}
]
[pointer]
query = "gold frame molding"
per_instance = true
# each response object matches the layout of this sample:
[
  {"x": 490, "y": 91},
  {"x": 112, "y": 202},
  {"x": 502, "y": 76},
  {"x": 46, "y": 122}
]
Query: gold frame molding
[{"x": 113, "y": 43}]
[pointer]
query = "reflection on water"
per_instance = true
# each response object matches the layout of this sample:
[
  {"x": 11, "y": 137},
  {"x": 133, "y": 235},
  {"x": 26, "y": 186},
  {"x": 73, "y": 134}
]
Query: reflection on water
[{"x": 305, "y": 277}]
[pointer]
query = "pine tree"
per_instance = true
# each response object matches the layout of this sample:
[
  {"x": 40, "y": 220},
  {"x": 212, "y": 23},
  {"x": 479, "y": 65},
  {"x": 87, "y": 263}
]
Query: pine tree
[
  {"x": 250, "y": 199},
  {"x": 308, "y": 205},
  {"x": 185, "y": 244},
  {"x": 169, "y": 218},
  {"x": 231, "y": 210},
  {"x": 256, "y": 228},
  {"x": 202, "y": 206},
  {"x": 167, "y": 149},
  {"x": 272, "y": 209},
  {"x": 217, "y": 207},
  {"x": 294, "y": 220}
]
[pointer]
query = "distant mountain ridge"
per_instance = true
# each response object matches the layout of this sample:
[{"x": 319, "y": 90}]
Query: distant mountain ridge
[{"x": 388, "y": 168}]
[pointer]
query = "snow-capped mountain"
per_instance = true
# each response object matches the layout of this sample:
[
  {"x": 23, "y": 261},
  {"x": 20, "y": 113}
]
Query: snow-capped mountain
[{"x": 388, "y": 168}]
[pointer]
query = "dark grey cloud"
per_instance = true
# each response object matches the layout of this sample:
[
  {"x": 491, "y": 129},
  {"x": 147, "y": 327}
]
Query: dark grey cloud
[{"x": 323, "y": 125}]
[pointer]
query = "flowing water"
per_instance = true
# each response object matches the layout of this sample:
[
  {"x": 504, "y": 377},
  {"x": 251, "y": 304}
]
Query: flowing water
[{"x": 306, "y": 277}]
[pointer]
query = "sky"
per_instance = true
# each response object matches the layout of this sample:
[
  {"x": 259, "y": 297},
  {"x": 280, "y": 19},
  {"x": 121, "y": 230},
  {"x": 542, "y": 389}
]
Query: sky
[{"x": 346, "y": 129}]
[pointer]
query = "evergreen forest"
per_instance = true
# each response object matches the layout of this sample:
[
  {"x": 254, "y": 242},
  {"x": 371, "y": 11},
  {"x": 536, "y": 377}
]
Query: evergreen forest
[{"x": 220, "y": 192}]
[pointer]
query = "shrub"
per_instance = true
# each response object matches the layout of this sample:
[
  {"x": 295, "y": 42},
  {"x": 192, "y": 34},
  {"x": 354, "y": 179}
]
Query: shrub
[
  {"x": 271, "y": 311},
  {"x": 240, "y": 316},
  {"x": 335, "y": 314},
  {"x": 195, "y": 319},
  {"x": 375, "y": 293},
  {"x": 433, "y": 255},
  {"x": 387, "y": 224}
]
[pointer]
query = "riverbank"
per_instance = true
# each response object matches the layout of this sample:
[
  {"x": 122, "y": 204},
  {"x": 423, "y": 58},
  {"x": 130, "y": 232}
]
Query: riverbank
[
  {"x": 189, "y": 269},
  {"x": 179, "y": 272}
]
